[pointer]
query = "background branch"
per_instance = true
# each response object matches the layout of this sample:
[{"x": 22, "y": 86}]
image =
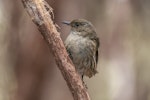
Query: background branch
[{"x": 41, "y": 14}]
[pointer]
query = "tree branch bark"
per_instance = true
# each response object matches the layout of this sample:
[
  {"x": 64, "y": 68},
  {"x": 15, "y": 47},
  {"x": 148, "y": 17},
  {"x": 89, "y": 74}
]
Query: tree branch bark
[{"x": 41, "y": 14}]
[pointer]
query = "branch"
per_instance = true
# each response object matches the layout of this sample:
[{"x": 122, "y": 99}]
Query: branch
[{"x": 41, "y": 14}]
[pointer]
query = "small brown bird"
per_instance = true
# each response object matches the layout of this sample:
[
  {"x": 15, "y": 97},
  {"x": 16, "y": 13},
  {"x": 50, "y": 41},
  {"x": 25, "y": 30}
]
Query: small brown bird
[{"x": 82, "y": 46}]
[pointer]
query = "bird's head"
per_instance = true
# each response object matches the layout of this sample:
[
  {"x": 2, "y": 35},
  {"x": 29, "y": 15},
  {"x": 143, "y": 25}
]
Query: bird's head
[{"x": 80, "y": 26}]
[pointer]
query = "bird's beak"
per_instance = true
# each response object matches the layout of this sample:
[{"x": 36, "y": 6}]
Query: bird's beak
[{"x": 66, "y": 22}]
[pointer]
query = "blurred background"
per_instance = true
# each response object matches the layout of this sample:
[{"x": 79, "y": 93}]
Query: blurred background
[{"x": 28, "y": 70}]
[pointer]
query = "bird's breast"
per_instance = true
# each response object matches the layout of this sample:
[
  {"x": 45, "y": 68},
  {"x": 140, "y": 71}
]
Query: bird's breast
[
  {"x": 75, "y": 43},
  {"x": 79, "y": 46}
]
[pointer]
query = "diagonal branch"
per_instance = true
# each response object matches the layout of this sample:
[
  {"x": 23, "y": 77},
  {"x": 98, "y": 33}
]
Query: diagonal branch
[{"x": 41, "y": 14}]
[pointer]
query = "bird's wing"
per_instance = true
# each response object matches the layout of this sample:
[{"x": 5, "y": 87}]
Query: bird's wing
[
  {"x": 97, "y": 42},
  {"x": 98, "y": 45}
]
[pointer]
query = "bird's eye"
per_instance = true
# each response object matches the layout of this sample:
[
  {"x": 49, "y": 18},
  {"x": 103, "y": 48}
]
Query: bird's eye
[{"x": 76, "y": 24}]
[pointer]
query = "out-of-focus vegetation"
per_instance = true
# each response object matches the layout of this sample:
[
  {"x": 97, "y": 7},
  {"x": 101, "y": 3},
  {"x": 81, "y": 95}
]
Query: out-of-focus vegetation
[{"x": 27, "y": 68}]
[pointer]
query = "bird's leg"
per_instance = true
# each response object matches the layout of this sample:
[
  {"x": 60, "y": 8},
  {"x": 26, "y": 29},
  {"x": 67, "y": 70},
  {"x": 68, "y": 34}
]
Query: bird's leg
[
  {"x": 82, "y": 78},
  {"x": 84, "y": 82}
]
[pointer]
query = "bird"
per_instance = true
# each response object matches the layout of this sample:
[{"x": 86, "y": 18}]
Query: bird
[{"x": 82, "y": 46}]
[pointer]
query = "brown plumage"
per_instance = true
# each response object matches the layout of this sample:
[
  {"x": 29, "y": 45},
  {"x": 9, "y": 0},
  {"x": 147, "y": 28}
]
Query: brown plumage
[{"x": 82, "y": 46}]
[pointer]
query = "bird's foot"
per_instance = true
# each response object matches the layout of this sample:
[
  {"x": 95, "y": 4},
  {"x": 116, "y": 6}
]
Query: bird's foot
[{"x": 84, "y": 84}]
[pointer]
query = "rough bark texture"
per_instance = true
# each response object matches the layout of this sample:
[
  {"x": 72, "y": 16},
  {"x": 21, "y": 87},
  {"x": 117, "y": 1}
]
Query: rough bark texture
[{"x": 41, "y": 14}]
